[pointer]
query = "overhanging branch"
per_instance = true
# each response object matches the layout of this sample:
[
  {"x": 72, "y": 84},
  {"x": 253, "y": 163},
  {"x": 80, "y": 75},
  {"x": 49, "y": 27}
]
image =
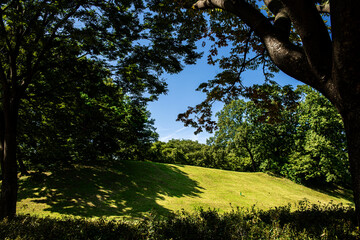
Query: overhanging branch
[
  {"x": 282, "y": 20},
  {"x": 286, "y": 56},
  {"x": 314, "y": 34},
  {"x": 325, "y": 8}
]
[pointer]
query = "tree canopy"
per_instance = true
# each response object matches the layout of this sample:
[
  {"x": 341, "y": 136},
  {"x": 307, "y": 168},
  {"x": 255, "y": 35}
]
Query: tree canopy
[
  {"x": 83, "y": 116},
  {"x": 44, "y": 42}
]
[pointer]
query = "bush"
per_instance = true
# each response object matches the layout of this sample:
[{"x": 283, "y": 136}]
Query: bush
[{"x": 307, "y": 222}]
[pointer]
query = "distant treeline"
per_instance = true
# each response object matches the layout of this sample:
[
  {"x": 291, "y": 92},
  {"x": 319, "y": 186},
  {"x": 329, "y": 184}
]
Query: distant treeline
[{"x": 300, "y": 137}]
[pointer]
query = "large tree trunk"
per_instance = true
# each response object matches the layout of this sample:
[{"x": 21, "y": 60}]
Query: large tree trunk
[
  {"x": 352, "y": 126},
  {"x": 9, "y": 185},
  {"x": 2, "y": 134},
  {"x": 345, "y": 87}
]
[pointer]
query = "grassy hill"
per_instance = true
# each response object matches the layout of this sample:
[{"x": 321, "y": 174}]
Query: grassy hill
[{"x": 133, "y": 189}]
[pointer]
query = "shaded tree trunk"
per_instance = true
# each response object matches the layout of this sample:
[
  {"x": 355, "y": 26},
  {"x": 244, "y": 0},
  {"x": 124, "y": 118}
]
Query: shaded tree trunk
[
  {"x": 9, "y": 185},
  {"x": 345, "y": 88},
  {"x": 253, "y": 163},
  {"x": 22, "y": 167},
  {"x": 2, "y": 133},
  {"x": 352, "y": 126}
]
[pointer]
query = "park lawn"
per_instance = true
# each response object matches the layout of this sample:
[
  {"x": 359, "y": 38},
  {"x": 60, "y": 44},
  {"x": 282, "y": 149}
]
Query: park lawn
[{"x": 136, "y": 189}]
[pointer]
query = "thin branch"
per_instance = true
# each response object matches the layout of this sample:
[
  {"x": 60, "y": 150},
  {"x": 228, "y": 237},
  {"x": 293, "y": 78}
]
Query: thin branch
[{"x": 247, "y": 48}]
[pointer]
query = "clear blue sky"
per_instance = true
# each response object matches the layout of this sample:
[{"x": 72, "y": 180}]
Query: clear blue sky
[{"x": 182, "y": 94}]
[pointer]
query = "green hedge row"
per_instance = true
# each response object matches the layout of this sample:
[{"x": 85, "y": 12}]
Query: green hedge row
[{"x": 307, "y": 222}]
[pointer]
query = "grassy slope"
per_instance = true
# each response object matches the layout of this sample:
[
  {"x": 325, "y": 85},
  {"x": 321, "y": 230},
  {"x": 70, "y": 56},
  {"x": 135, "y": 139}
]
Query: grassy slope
[{"x": 132, "y": 189}]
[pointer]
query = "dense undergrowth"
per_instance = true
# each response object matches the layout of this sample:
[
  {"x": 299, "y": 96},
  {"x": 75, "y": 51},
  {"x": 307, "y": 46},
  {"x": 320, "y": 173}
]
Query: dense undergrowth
[{"x": 307, "y": 222}]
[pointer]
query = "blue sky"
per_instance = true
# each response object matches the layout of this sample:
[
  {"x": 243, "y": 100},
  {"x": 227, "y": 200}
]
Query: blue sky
[{"x": 182, "y": 94}]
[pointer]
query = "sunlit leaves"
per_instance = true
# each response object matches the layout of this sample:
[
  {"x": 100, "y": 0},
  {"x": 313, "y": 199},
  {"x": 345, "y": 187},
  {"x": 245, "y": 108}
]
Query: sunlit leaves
[
  {"x": 321, "y": 152},
  {"x": 300, "y": 138},
  {"x": 261, "y": 127}
]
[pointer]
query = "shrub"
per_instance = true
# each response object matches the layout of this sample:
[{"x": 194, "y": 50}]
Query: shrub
[{"x": 307, "y": 222}]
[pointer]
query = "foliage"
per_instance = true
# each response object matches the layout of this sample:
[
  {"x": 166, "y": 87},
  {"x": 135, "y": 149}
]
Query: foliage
[
  {"x": 80, "y": 117},
  {"x": 247, "y": 126},
  {"x": 44, "y": 34},
  {"x": 306, "y": 142},
  {"x": 177, "y": 151},
  {"x": 192, "y": 153},
  {"x": 320, "y": 153},
  {"x": 234, "y": 48},
  {"x": 307, "y": 222},
  {"x": 72, "y": 110}
]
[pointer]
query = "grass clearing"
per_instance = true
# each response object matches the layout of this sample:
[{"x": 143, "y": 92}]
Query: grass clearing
[{"x": 134, "y": 189}]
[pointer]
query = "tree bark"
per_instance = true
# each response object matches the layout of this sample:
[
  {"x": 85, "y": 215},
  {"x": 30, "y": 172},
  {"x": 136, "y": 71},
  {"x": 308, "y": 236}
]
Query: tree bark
[
  {"x": 9, "y": 185},
  {"x": 23, "y": 169},
  {"x": 253, "y": 163},
  {"x": 352, "y": 127},
  {"x": 344, "y": 89},
  {"x": 2, "y": 134}
]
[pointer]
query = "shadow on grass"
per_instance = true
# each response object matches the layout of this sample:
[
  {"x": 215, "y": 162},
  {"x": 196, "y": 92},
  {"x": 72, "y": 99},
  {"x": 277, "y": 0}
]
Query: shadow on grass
[
  {"x": 334, "y": 191},
  {"x": 338, "y": 192},
  {"x": 124, "y": 188}
]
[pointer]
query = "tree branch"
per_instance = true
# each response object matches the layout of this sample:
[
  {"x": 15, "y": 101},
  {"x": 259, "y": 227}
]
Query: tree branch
[
  {"x": 282, "y": 20},
  {"x": 285, "y": 55},
  {"x": 3, "y": 78},
  {"x": 325, "y": 8},
  {"x": 314, "y": 35}
]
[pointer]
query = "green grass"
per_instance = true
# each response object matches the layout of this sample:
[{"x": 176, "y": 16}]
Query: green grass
[{"x": 134, "y": 189}]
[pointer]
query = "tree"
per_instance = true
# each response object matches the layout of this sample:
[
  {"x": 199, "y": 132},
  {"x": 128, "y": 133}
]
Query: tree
[
  {"x": 320, "y": 153},
  {"x": 306, "y": 142},
  {"x": 136, "y": 46},
  {"x": 266, "y": 138},
  {"x": 177, "y": 151},
  {"x": 236, "y": 129},
  {"x": 83, "y": 116},
  {"x": 299, "y": 43}
]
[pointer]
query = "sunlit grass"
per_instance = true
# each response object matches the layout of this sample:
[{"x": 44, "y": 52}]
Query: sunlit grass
[
  {"x": 134, "y": 189},
  {"x": 225, "y": 189}
]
